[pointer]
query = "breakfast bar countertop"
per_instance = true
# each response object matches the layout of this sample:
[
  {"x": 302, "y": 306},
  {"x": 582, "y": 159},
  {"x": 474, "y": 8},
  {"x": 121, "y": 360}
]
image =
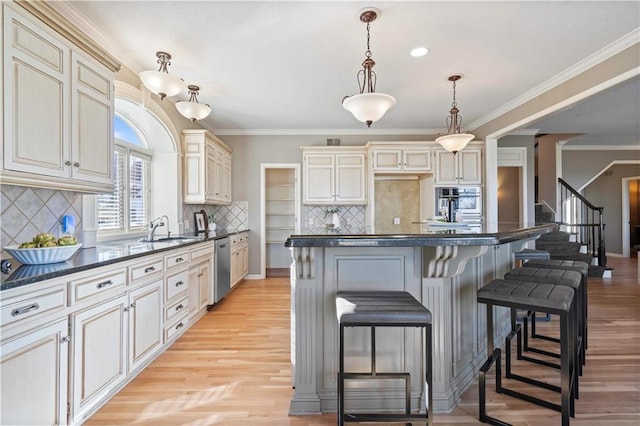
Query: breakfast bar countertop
[
  {"x": 102, "y": 254},
  {"x": 422, "y": 235}
]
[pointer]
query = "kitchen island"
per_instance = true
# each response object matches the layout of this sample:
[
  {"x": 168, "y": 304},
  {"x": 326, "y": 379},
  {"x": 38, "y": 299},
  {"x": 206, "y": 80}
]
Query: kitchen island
[{"x": 443, "y": 267}]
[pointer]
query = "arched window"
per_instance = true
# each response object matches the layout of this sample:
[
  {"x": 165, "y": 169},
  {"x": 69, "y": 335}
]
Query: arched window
[{"x": 127, "y": 209}]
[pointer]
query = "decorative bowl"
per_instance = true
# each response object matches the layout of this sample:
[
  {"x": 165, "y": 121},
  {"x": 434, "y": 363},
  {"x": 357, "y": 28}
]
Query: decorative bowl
[{"x": 42, "y": 255}]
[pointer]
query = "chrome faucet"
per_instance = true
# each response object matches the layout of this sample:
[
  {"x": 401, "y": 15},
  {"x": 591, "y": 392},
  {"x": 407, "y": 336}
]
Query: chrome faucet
[{"x": 155, "y": 224}]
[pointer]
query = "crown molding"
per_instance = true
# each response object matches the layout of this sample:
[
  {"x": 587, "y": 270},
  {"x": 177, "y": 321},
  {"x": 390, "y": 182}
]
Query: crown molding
[
  {"x": 601, "y": 147},
  {"x": 326, "y": 132},
  {"x": 590, "y": 61}
]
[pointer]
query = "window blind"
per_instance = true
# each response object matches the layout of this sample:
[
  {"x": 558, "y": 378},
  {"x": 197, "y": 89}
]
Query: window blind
[
  {"x": 111, "y": 206},
  {"x": 138, "y": 191}
]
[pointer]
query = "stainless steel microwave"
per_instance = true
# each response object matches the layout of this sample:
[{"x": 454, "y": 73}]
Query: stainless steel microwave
[{"x": 467, "y": 199}]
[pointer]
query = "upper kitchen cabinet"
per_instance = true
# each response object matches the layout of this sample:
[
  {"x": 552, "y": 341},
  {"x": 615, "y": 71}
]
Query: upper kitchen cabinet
[
  {"x": 463, "y": 168},
  {"x": 334, "y": 175},
  {"x": 401, "y": 160},
  {"x": 207, "y": 168},
  {"x": 58, "y": 103}
]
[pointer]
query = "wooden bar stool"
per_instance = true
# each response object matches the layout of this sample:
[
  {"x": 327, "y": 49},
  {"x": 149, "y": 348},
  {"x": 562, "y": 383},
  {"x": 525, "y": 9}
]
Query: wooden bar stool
[
  {"x": 540, "y": 297},
  {"x": 383, "y": 309}
]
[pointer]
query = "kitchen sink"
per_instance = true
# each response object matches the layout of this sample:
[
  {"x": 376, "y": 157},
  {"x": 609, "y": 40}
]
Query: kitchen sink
[{"x": 176, "y": 238}]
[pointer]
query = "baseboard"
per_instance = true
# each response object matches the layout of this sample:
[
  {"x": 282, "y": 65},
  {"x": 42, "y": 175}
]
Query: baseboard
[{"x": 254, "y": 277}]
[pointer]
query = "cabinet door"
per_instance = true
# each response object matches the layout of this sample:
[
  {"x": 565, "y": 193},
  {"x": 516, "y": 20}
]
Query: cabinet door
[
  {"x": 416, "y": 160},
  {"x": 36, "y": 99},
  {"x": 91, "y": 121},
  {"x": 99, "y": 361},
  {"x": 470, "y": 166},
  {"x": 203, "y": 284},
  {"x": 446, "y": 168},
  {"x": 145, "y": 323},
  {"x": 211, "y": 183},
  {"x": 34, "y": 377},
  {"x": 245, "y": 260},
  {"x": 387, "y": 160},
  {"x": 196, "y": 183},
  {"x": 194, "y": 290},
  {"x": 350, "y": 179},
  {"x": 226, "y": 183},
  {"x": 318, "y": 182}
]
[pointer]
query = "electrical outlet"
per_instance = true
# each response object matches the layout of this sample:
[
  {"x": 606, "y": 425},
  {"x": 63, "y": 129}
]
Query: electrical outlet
[{"x": 396, "y": 221}]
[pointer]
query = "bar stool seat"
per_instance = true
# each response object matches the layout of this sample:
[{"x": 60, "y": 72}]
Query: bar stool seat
[
  {"x": 570, "y": 265},
  {"x": 533, "y": 296},
  {"x": 569, "y": 278},
  {"x": 383, "y": 309}
]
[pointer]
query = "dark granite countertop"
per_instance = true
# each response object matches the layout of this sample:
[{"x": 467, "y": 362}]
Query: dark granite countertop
[
  {"x": 422, "y": 235},
  {"x": 103, "y": 254}
]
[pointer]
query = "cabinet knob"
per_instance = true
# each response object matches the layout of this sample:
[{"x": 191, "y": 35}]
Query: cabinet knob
[
  {"x": 76, "y": 164},
  {"x": 67, "y": 163}
]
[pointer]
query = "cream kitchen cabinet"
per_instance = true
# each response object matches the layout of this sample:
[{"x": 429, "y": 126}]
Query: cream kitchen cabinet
[
  {"x": 145, "y": 323},
  {"x": 207, "y": 168},
  {"x": 199, "y": 277},
  {"x": 239, "y": 257},
  {"x": 99, "y": 354},
  {"x": 334, "y": 177},
  {"x": 463, "y": 168},
  {"x": 400, "y": 160},
  {"x": 201, "y": 281},
  {"x": 58, "y": 109},
  {"x": 34, "y": 376},
  {"x": 34, "y": 347}
]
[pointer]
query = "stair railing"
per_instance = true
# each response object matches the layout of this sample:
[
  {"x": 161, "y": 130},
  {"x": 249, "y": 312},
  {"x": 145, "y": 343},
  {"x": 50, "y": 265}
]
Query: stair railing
[{"x": 584, "y": 219}]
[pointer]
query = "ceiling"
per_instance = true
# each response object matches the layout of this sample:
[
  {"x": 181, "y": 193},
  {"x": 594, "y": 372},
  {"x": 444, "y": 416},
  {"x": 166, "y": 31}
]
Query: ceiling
[{"x": 276, "y": 66}]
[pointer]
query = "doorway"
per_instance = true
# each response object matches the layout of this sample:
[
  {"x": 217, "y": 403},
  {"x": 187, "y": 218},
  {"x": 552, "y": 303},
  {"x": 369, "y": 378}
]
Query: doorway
[
  {"x": 280, "y": 213},
  {"x": 630, "y": 216},
  {"x": 509, "y": 193}
]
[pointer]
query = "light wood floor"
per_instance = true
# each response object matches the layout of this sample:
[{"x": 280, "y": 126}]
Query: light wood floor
[{"x": 232, "y": 367}]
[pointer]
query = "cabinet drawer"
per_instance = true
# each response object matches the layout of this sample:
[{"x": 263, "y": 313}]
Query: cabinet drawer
[
  {"x": 176, "y": 328},
  {"x": 176, "y": 284},
  {"x": 34, "y": 304},
  {"x": 175, "y": 309},
  {"x": 147, "y": 268},
  {"x": 176, "y": 259},
  {"x": 201, "y": 252},
  {"x": 83, "y": 289}
]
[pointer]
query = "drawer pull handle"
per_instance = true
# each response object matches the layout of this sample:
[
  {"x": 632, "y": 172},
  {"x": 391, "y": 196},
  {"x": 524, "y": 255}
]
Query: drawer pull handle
[
  {"x": 179, "y": 283},
  {"x": 104, "y": 284},
  {"x": 180, "y": 306},
  {"x": 149, "y": 269},
  {"x": 24, "y": 309},
  {"x": 179, "y": 326},
  {"x": 178, "y": 260}
]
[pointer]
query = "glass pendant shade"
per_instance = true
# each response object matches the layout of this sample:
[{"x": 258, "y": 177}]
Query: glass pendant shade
[
  {"x": 455, "y": 142},
  {"x": 161, "y": 82},
  {"x": 368, "y": 107},
  {"x": 192, "y": 109}
]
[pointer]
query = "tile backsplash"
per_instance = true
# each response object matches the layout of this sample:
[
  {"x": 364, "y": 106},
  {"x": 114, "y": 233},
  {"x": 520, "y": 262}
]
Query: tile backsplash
[
  {"x": 352, "y": 218},
  {"x": 29, "y": 211},
  {"x": 231, "y": 218}
]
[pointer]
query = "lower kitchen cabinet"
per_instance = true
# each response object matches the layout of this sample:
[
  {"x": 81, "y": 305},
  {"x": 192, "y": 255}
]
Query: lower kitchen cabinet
[
  {"x": 99, "y": 354},
  {"x": 145, "y": 323},
  {"x": 34, "y": 376},
  {"x": 239, "y": 257},
  {"x": 199, "y": 277}
]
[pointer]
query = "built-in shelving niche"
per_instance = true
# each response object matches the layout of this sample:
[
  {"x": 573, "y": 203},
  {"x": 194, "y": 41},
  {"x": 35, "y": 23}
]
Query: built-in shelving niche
[{"x": 280, "y": 215}]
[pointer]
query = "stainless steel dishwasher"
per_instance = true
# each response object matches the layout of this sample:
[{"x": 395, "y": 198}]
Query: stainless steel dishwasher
[{"x": 222, "y": 268}]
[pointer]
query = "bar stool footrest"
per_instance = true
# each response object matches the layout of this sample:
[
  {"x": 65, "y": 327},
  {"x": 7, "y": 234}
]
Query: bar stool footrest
[{"x": 384, "y": 417}]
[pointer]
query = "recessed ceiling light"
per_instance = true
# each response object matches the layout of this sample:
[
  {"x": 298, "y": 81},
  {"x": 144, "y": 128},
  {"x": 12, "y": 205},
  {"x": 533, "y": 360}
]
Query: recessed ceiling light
[{"x": 419, "y": 51}]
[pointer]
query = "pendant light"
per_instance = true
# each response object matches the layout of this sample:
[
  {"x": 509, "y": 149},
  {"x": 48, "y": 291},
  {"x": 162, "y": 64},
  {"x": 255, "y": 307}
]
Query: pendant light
[
  {"x": 161, "y": 82},
  {"x": 368, "y": 106},
  {"x": 454, "y": 141},
  {"x": 191, "y": 109}
]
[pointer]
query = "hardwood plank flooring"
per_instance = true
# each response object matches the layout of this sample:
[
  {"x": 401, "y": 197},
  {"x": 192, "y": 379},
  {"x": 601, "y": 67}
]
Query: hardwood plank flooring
[{"x": 233, "y": 367}]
